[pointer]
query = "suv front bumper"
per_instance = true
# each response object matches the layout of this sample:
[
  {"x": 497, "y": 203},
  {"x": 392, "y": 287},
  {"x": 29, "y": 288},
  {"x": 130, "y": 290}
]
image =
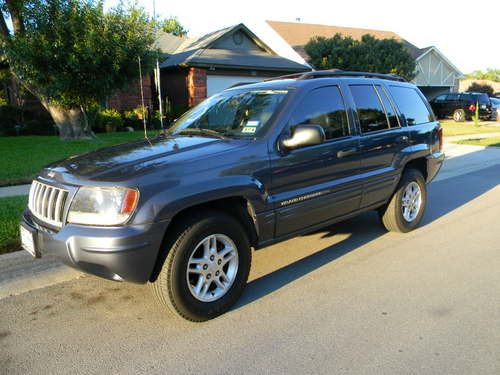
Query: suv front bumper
[{"x": 126, "y": 253}]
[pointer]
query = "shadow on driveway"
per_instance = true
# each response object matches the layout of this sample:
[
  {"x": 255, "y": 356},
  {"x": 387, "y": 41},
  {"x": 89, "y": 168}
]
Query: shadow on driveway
[{"x": 444, "y": 197}]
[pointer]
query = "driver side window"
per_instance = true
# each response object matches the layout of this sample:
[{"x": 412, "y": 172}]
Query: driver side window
[{"x": 325, "y": 107}]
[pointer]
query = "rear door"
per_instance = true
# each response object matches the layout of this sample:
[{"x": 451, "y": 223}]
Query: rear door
[
  {"x": 313, "y": 184},
  {"x": 382, "y": 138}
]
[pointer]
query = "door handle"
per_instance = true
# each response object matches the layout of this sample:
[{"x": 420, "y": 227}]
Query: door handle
[{"x": 347, "y": 152}]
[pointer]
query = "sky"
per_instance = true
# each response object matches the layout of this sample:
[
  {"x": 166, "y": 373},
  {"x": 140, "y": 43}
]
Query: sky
[{"x": 467, "y": 33}]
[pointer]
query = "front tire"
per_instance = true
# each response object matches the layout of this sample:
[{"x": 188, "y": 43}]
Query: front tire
[
  {"x": 206, "y": 268},
  {"x": 406, "y": 208}
]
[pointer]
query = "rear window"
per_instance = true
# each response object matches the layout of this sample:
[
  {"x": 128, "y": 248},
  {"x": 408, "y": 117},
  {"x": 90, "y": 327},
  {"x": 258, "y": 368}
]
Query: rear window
[{"x": 411, "y": 105}]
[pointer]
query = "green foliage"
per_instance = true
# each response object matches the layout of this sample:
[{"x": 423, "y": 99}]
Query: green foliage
[
  {"x": 109, "y": 120},
  {"x": 479, "y": 87},
  {"x": 368, "y": 54},
  {"x": 490, "y": 74},
  {"x": 74, "y": 54},
  {"x": 11, "y": 209},
  {"x": 173, "y": 26}
]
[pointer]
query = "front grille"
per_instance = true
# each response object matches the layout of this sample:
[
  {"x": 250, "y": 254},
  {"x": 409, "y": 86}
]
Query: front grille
[{"x": 46, "y": 202}]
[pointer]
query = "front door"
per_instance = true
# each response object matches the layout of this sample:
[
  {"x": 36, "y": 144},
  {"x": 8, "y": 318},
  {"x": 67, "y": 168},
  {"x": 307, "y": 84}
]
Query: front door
[{"x": 313, "y": 184}]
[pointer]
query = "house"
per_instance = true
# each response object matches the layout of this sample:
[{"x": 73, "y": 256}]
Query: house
[
  {"x": 195, "y": 69},
  {"x": 435, "y": 73}
]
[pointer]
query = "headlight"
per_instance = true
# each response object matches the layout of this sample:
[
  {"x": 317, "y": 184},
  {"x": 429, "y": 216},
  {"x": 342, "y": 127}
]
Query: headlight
[{"x": 102, "y": 205}]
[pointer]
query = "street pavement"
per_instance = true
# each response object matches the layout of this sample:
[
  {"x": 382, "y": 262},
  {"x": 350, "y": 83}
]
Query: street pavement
[{"x": 348, "y": 299}]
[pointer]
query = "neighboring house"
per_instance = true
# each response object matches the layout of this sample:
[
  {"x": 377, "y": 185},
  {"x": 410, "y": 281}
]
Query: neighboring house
[
  {"x": 197, "y": 68},
  {"x": 435, "y": 73}
]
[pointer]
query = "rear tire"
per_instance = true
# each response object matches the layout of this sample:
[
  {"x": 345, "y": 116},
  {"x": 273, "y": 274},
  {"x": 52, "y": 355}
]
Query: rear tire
[
  {"x": 459, "y": 115},
  {"x": 406, "y": 208},
  {"x": 202, "y": 277}
]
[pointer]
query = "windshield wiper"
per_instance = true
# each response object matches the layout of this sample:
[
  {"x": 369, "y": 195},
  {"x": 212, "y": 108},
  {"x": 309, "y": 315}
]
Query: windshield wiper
[{"x": 202, "y": 131}]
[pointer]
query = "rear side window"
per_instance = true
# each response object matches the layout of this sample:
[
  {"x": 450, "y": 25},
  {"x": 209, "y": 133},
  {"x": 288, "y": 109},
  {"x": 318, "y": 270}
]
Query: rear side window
[
  {"x": 370, "y": 110},
  {"x": 411, "y": 105},
  {"x": 325, "y": 107},
  {"x": 389, "y": 108},
  {"x": 440, "y": 99}
]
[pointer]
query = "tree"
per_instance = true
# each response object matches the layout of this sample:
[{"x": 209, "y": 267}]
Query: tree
[
  {"x": 490, "y": 74},
  {"x": 368, "y": 54},
  {"x": 173, "y": 26},
  {"x": 72, "y": 55},
  {"x": 479, "y": 87}
]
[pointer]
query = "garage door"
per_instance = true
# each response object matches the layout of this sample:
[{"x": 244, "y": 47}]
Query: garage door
[{"x": 216, "y": 84}]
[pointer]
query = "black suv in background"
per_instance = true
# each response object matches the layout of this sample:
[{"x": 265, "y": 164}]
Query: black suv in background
[
  {"x": 248, "y": 167},
  {"x": 462, "y": 106}
]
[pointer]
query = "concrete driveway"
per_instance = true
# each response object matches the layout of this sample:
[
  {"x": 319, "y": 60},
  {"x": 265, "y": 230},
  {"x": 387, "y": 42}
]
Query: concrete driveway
[{"x": 347, "y": 299}]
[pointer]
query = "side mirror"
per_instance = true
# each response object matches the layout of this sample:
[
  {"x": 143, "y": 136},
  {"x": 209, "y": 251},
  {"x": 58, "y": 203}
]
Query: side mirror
[{"x": 302, "y": 136}]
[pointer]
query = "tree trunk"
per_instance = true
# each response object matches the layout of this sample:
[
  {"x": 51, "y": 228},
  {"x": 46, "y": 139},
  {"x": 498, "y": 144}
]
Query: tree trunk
[{"x": 72, "y": 123}]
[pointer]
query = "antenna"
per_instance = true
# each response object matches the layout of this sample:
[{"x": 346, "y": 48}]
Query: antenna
[
  {"x": 142, "y": 100},
  {"x": 157, "y": 73}
]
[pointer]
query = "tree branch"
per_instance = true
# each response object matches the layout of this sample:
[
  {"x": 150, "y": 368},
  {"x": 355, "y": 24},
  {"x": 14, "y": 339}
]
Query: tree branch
[
  {"x": 15, "y": 9},
  {"x": 4, "y": 30}
]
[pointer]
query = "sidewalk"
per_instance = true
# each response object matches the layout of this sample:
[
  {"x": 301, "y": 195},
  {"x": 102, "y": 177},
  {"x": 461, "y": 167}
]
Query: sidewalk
[
  {"x": 471, "y": 136},
  {"x": 11, "y": 191}
]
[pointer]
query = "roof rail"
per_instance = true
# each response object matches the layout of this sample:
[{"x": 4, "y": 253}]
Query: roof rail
[{"x": 339, "y": 73}]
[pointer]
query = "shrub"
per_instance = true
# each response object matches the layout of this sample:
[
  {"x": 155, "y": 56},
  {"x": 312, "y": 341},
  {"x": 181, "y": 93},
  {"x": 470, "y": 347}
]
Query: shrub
[
  {"x": 108, "y": 120},
  {"x": 10, "y": 120},
  {"x": 479, "y": 87},
  {"x": 131, "y": 118}
]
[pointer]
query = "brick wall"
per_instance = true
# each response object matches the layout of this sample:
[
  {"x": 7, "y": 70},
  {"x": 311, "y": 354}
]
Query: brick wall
[
  {"x": 196, "y": 86},
  {"x": 131, "y": 97}
]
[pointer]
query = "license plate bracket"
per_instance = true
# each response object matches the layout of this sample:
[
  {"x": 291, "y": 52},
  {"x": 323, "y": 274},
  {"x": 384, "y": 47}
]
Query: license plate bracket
[{"x": 28, "y": 240}]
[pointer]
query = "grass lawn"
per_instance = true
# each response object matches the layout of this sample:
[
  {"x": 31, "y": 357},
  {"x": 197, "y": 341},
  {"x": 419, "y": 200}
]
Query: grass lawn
[
  {"x": 488, "y": 142},
  {"x": 451, "y": 127},
  {"x": 11, "y": 209},
  {"x": 22, "y": 157}
]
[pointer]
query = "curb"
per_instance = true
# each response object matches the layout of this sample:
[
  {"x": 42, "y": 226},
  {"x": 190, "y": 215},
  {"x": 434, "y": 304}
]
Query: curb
[{"x": 20, "y": 273}]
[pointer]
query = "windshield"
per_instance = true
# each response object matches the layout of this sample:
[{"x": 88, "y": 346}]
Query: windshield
[{"x": 231, "y": 113}]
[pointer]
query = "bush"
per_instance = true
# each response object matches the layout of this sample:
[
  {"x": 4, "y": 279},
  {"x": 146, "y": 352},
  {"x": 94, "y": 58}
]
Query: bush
[
  {"x": 133, "y": 118},
  {"x": 478, "y": 87},
  {"x": 10, "y": 120},
  {"x": 108, "y": 120},
  {"x": 17, "y": 121}
]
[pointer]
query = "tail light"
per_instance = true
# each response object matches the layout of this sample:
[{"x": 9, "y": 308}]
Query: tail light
[
  {"x": 472, "y": 107},
  {"x": 440, "y": 138}
]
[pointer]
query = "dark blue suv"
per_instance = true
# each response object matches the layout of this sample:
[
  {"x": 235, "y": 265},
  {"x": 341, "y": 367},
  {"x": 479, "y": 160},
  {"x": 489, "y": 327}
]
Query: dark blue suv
[{"x": 246, "y": 168}]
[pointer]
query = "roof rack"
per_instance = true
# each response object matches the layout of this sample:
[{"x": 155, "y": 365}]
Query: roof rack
[{"x": 338, "y": 73}]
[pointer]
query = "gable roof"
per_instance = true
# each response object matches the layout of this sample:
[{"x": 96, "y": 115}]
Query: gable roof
[
  {"x": 298, "y": 34},
  {"x": 203, "y": 51}
]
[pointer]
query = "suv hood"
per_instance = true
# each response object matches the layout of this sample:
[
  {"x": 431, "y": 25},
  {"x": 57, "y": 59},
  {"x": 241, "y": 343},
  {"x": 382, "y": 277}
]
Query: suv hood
[{"x": 124, "y": 161}]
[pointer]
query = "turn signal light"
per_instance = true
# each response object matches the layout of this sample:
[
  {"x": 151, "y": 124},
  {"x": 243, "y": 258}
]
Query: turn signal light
[{"x": 129, "y": 201}]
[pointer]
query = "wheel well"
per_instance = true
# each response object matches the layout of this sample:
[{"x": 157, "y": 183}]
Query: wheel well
[
  {"x": 237, "y": 207},
  {"x": 419, "y": 164}
]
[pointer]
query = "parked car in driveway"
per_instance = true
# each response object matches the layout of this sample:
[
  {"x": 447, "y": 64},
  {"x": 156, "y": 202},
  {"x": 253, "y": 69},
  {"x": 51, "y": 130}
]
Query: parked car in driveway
[
  {"x": 251, "y": 166},
  {"x": 495, "y": 109},
  {"x": 461, "y": 106}
]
